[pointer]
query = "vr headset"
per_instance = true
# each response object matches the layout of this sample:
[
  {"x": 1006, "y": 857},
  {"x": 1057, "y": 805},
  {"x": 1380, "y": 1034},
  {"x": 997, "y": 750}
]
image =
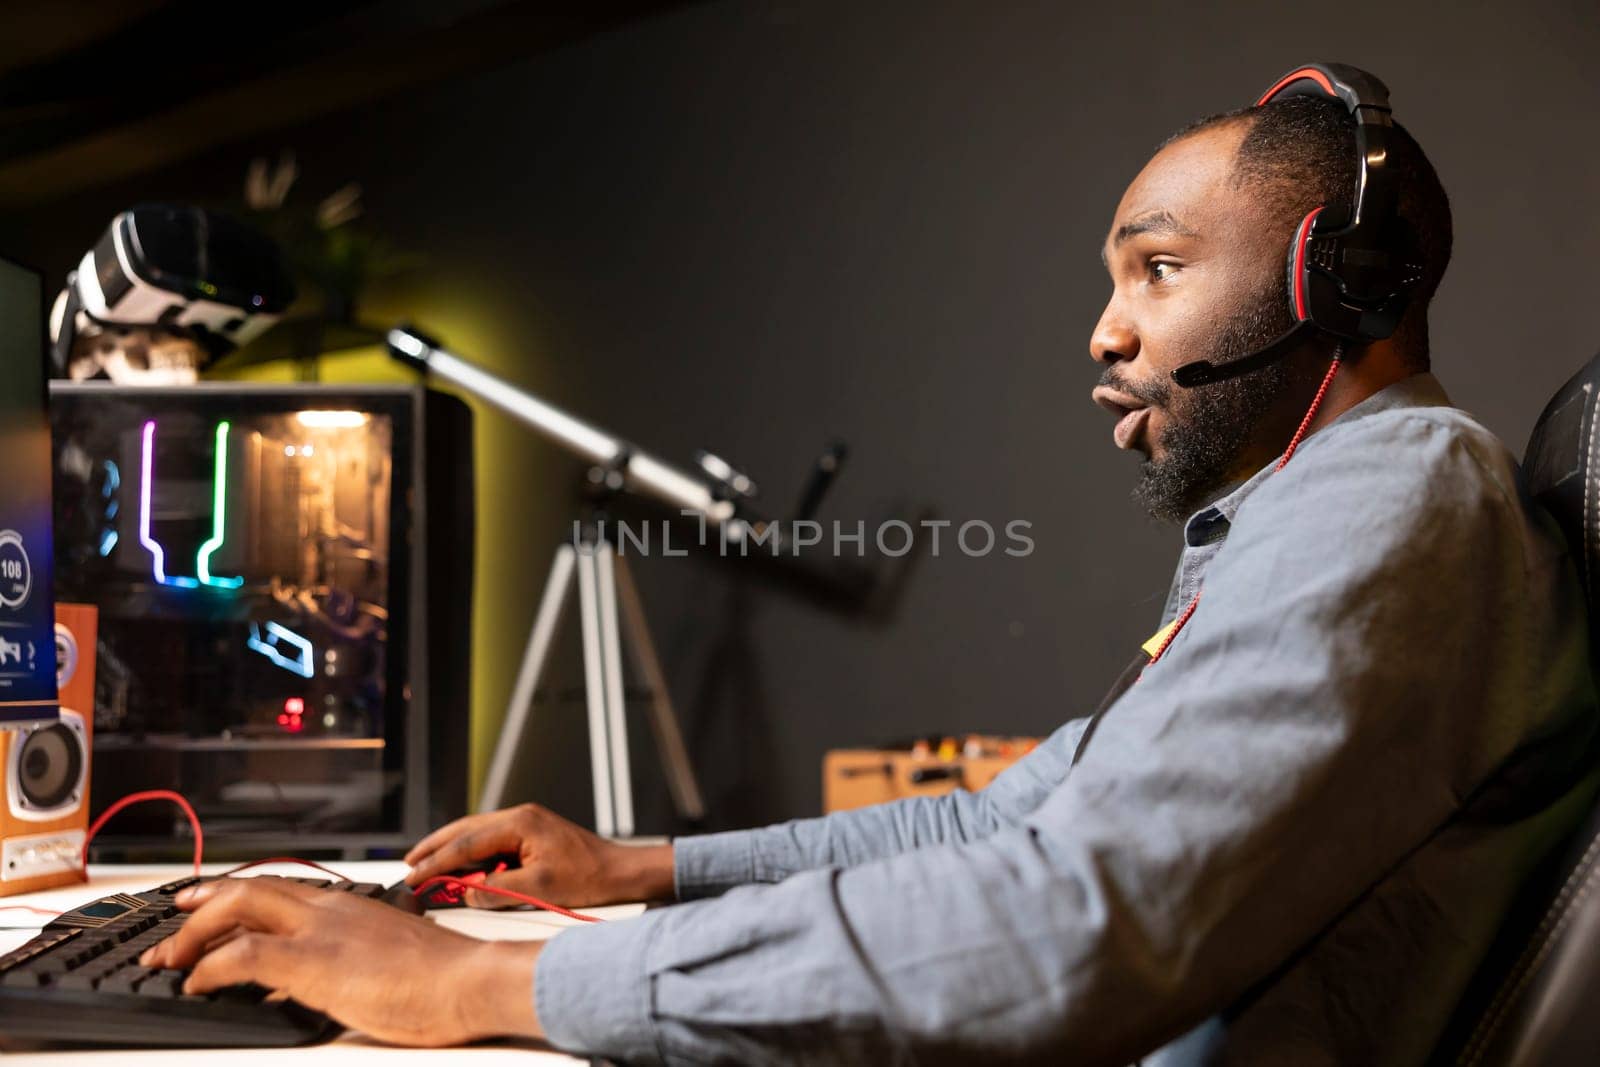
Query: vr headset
[{"x": 180, "y": 268}]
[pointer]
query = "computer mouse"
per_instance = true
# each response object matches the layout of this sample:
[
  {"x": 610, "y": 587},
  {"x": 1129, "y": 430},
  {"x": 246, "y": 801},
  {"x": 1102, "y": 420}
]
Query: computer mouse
[
  {"x": 453, "y": 895},
  {"x": 401, "y": 896}
]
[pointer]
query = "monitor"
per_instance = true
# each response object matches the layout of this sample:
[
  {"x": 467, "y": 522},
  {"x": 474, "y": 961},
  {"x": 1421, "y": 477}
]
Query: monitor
[
  {"x": 27, "y": 609},
  {"x": 283, "y": 579}
]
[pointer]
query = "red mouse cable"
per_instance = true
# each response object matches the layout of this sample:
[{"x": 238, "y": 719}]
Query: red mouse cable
[{"x": 464, "y": 884}]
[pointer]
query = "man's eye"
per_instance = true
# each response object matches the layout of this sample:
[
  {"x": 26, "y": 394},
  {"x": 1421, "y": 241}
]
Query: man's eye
[{"x": 1162, "y": 271}]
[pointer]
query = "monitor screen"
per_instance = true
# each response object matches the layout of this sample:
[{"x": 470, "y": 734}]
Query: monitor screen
[{"x": 27, "y": 608}]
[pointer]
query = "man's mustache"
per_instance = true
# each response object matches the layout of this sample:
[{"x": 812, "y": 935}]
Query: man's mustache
[{"x": 1155, "y": 395}]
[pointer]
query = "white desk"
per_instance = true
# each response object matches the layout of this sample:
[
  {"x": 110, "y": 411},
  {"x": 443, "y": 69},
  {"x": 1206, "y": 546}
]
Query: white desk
[{"x": 349, "y": 1048}]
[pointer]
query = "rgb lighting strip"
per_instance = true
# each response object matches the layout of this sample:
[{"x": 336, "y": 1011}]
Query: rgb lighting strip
[
  {"x": 158, "y": 555},
  {"x": 219, "y": 508},
  {"x": 300, "y": 664}
]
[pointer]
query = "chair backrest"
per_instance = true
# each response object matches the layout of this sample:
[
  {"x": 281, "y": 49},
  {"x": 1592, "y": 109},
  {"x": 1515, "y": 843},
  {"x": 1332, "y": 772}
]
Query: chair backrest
[{"x": 1537, "y": 1000}]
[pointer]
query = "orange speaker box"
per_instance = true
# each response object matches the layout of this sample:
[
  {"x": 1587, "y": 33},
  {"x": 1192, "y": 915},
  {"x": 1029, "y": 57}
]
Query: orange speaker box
[{"x": 44, "y": 771}]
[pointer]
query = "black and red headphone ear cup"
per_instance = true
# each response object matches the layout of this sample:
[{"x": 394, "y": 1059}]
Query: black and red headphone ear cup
[{"x": 1298, "y": 282}]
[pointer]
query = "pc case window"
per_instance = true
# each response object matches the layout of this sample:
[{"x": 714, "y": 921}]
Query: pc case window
[{"x": 240, "y": 551}]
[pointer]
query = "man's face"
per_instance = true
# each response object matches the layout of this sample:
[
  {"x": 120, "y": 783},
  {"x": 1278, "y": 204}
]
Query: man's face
[{"x": 1196, "y": 266}]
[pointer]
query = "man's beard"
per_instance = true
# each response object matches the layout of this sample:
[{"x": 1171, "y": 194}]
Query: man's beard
[{"x": 1209, "y": 427}]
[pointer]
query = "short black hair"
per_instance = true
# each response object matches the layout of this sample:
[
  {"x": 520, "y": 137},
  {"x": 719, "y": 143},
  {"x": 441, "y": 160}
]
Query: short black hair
[{"x": 1301, "y": 151}]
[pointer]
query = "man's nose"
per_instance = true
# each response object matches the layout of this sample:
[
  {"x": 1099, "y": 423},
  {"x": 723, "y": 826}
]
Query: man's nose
[{"x": 1114, "y": 338}]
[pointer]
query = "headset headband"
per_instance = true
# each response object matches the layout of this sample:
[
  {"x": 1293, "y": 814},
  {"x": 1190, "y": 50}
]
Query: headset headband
[
  {"x": 1354, "y": 86},
  {"x": 1369, "y": 226}
]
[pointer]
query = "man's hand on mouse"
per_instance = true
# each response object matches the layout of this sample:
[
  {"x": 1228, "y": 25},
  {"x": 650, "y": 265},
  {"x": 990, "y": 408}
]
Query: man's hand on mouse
[
  {"x": 561, "y": 862},
  {"x": 397, "y": 977}
]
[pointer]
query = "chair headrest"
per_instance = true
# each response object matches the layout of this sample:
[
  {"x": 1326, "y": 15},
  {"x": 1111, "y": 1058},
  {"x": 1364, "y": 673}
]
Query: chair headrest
[{"x": 1563, "y": 475}]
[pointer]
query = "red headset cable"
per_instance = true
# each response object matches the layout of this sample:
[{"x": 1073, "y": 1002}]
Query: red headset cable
[
  {"x": 1294, "y": 443},
  {"x": 1311, "y": 412},
  {"x": 1176, "y": 626}
]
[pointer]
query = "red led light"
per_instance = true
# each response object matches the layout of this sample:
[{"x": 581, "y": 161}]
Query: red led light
[
  {"x": 283, "y": 720},
  {"x": 295, "y": 706}
]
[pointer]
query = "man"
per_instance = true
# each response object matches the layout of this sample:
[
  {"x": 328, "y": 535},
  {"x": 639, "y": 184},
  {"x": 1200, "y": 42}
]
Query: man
[{"x": 1289, "y": 842}]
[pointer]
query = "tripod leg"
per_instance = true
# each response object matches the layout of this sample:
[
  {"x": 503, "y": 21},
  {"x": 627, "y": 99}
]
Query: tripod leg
[
  {"x": 616, "y": 702},
  {"x": 595, "y": 691},
  {"x": 552, "y": 605},
  {"x": 663, "y": 718}
]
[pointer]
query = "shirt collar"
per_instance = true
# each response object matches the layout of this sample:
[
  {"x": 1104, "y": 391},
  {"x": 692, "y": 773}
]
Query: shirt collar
[{"x": 1211, "y": 523}]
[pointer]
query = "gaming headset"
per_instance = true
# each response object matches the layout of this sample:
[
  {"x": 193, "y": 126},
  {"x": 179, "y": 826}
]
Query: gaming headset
[{"x": 1350, "y": 267}]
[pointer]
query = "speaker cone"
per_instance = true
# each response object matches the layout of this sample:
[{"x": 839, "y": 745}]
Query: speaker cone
[{"x": 49, "y": 764}]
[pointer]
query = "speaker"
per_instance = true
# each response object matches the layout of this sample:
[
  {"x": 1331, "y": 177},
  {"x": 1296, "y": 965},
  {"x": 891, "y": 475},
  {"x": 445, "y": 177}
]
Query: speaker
[{"x": 45, "y": 770}]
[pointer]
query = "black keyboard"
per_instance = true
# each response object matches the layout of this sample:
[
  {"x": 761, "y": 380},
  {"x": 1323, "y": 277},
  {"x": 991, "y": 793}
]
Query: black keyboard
[{"x": 80, "y": 981}]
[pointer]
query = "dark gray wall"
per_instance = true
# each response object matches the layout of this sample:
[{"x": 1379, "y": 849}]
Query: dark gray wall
[{"x": 749, "y": 226}]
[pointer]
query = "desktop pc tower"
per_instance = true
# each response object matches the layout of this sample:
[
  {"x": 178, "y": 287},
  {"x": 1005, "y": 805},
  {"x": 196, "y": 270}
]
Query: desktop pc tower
[{"x": 283, "y": 580}]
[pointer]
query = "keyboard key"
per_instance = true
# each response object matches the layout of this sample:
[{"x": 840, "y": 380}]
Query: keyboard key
[
  {"x": 162, "y": 984},
  {"x": 122, "y": 981},
  {"x": 19, "y": 978},
  {"x": 95, "y": 944},
  {"x": 248, "y": 993},
  {"x": 48, "y": 968}
]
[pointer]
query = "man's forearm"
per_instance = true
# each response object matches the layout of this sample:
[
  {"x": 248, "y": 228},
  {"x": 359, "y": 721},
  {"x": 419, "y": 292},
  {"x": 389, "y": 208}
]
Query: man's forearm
[
  {"x": 710, "y": 864},
  {"x": 647, "y": 871},
  {"x": 500, "y": 1002}
]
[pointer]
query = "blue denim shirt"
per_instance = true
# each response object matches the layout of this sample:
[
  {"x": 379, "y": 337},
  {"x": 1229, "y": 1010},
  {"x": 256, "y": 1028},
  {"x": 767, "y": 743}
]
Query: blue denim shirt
[{"x": 1290, "y": 842}]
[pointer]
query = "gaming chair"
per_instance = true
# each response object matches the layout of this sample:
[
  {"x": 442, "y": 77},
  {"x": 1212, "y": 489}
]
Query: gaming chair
[{"x": 1537, "y": 999}]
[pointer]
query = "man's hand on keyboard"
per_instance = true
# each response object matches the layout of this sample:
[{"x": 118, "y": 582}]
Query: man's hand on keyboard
[
  {"x": 561, "y": 861},
  {"x": 397, "y": 977}
]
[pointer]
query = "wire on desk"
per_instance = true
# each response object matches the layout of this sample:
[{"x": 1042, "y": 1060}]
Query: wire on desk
[
  {"x": 199, "y": 845},
  {"x": 136, "y": 798},
  {"x": 199, "y": 837},
  {"x": 286, "y": 859}
]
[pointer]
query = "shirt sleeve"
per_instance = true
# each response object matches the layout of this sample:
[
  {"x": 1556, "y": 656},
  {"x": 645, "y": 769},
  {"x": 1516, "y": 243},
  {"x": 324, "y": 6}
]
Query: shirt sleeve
[
  {"x": 709, "y": 864},
  {"x": 1330, "y": 702}
]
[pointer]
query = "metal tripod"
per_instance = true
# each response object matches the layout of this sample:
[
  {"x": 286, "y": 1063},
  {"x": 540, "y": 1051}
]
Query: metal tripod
[{"x": 605, "y": 585}]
